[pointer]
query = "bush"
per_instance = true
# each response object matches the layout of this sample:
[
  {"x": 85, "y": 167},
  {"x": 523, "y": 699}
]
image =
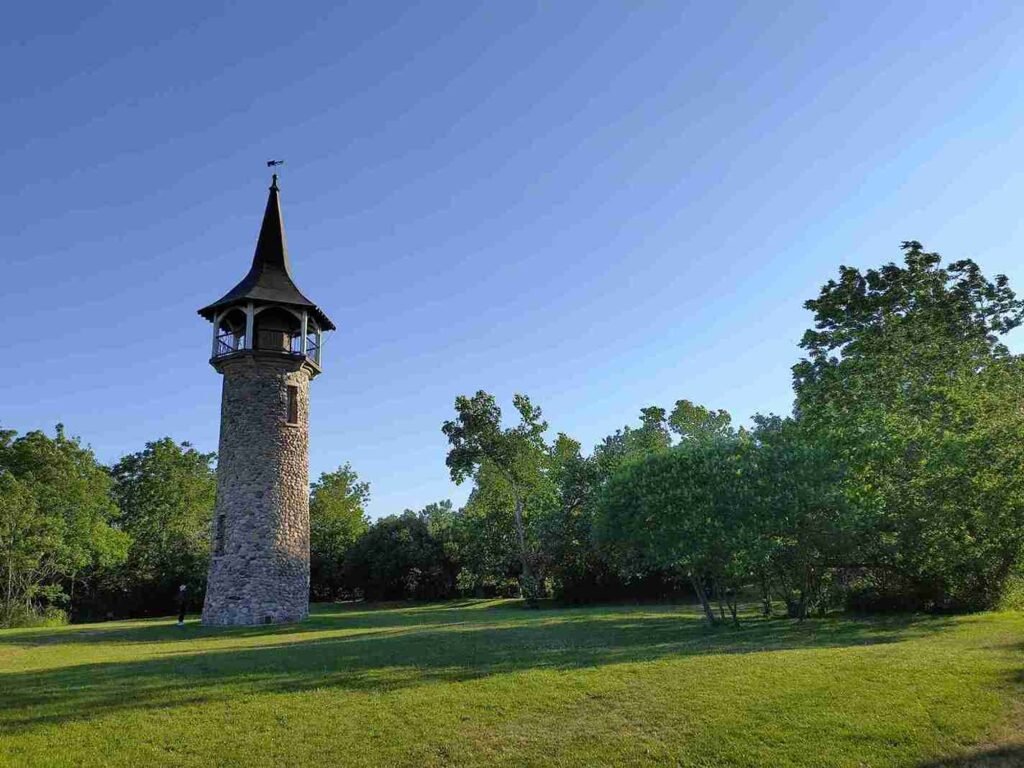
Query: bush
[
  {"x": 1013, "y": 594},
  {"x": 880, "y": 591},
  {"x": 399, "y": 558},
  {"x": 21, "y": 615}
]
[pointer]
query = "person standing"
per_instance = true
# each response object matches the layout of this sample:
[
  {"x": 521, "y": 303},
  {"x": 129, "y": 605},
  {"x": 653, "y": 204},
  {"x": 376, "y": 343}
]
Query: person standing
[{"x": 182, "y": 602}]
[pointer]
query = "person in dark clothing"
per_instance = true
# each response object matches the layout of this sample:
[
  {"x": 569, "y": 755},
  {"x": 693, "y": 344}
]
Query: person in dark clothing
[{"x": 182, "y": 602}]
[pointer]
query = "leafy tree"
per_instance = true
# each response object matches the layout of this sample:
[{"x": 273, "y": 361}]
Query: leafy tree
[
  {"x": 443, "y": 526},
  {"x": 577, "y": 569},
  {"x": 516, "y": 456},
  {"x": 25, "y": 538},
  {"x": 337, "y": 518},
  {"x": 64, "y": 533},
  {"x": 165, "y": 496},
  {"x": 605, "y": 574},
  {"x": 682, "y": 510},
  {"x": 906, "y": 377},
  {"x": 399, "y": 558},
  {"x": 485, "y": 527},
  {"x": 801, "y": 532},
  {"x": 652, "y": 436},
  {"x": 695, "y": 422}
]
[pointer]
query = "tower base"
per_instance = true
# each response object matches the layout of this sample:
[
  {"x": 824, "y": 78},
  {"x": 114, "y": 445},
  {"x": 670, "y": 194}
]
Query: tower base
[{"x": 259, "y": 570}]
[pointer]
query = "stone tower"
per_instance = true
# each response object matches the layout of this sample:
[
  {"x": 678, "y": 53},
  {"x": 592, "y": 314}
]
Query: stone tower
[{"x": 266, "y": 344}]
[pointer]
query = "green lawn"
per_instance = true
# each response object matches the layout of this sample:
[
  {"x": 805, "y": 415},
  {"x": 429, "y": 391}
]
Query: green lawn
[{"x": 489, "y": 683}]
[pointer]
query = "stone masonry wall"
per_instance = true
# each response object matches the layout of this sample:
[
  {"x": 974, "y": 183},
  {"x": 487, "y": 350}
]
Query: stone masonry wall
[{"x": 259, "y": 570}]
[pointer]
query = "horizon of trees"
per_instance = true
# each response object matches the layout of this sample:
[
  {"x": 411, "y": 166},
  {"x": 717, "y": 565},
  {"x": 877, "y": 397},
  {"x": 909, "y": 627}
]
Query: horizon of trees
[{"x": 895, "y": 484}]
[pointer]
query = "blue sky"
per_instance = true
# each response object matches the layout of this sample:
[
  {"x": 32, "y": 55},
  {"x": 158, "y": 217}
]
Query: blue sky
[{"x": 603, "y": 207}]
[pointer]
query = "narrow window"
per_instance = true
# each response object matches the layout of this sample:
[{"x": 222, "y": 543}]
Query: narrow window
[
  {"x": 218, "y": 542},
  {"x": 293, "y": 405}
]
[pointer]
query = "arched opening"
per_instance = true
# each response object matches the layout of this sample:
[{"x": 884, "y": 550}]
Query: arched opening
[
  {"x": 230, "y": 333},
  {"x": 278, "y": 330}
]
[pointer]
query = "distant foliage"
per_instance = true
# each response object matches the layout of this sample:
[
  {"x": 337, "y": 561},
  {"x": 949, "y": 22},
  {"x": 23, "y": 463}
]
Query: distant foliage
[
  {"x": 399, "y": 557},
  {"x": 165, "y": 496},
  {"x": 337, "y": 518}
]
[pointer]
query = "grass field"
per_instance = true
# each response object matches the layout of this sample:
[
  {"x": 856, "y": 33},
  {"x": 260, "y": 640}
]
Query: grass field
[{"x": 489, "y": 683}]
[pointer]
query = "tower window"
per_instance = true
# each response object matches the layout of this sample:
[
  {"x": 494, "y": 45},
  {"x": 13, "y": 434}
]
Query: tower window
[
  {"x": 219, "y": 536},
  {"x": 293, "y": 404}
]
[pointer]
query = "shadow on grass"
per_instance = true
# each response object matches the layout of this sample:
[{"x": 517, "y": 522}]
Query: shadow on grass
[
  {"x": 324, "y": 617},
  {"x": 997, "y": 757},
  {"x": 360, "y": 649}
]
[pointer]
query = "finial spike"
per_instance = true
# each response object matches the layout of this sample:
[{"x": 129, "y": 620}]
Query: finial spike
[{"x": 273, "y": 183}]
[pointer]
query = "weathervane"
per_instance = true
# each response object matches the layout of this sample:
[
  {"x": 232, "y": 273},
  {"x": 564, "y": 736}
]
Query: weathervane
[{"x": 274, "y": 164}]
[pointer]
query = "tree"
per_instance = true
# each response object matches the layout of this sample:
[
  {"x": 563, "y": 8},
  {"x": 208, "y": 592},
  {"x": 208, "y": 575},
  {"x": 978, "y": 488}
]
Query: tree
[
  {"x": 443, "y": 526},
  {"x": 695, "y": 422},
  {"x": 488, "y": 553},
  {"x": 516, "y": 455},
  {"x": 605, "y": 573},
  {"x": 25, "y": 538},
  {"x": 682, "y": 510},
  {"x": 652, "y": 436},
  {"x": 577, "y": 570},
  {"x": 165, "y": 496},
  {"x": 337, "y": 518},
  {"x": 906, "y": 377},
  {"x": 64, "y": 533},
  {"x": 399, "y": 558},
  {"x": 801, "y": 531}
]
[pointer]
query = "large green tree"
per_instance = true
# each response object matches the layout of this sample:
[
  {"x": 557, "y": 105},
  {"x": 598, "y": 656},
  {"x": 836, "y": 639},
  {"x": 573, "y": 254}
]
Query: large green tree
[
  {"x": 443, "y": 526},
  {"x": 907, "y": 378},
  {"x": 25, "y": 538},
  {"x": 165, "y": 496},
  {"x": 799, "y": 527},
  {"x": 682, "y": 510},
  {"x": 565, "y": 524},
  {"x": 398, "y": 557},
  {"x": 485, "y": 528},
  {"x": 516, "y": 457},
  {"x": 59, "y": 509},
  {"x": 337, "y": 518}
]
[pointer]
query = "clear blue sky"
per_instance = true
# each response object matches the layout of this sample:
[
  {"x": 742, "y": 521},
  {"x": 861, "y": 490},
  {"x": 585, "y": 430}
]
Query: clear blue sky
[{"x": 602, "y": 207}]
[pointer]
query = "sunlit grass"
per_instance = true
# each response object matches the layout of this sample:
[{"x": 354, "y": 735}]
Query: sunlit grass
[{"x": 487, "y": 682}]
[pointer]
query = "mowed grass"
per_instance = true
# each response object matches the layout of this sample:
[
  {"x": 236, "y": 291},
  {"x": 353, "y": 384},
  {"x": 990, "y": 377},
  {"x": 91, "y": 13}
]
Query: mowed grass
[{"x": 490, "y": 683}]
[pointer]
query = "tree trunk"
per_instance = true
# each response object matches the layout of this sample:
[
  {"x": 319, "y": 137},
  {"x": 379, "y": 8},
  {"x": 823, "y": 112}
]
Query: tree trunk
[
  {"x": 527, "y": 582},
  {"x": 10, "y": 584},
  {"x": 805, "y": 593},
  {"x": 698, "y": 585},
  {"x": 766, "y": 596},
  {"x": 733, "y": 604}
]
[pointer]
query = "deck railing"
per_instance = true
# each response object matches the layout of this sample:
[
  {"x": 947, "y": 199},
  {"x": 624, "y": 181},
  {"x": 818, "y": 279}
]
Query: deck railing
[{"x": 228, "y": 343}]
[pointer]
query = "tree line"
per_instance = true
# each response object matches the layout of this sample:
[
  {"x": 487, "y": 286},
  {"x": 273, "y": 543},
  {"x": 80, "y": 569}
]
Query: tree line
[{"x": 894, "y": 484}]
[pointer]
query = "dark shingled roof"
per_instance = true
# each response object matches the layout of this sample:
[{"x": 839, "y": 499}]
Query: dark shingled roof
[{"x": 270, "y": 278}]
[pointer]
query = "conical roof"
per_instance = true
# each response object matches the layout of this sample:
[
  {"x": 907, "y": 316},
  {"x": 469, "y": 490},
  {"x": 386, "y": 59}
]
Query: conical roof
[{"x": 269, "y": 280}]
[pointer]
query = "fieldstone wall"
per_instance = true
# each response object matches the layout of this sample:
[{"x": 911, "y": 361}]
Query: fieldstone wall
[{"x": 259, "y": 569}]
